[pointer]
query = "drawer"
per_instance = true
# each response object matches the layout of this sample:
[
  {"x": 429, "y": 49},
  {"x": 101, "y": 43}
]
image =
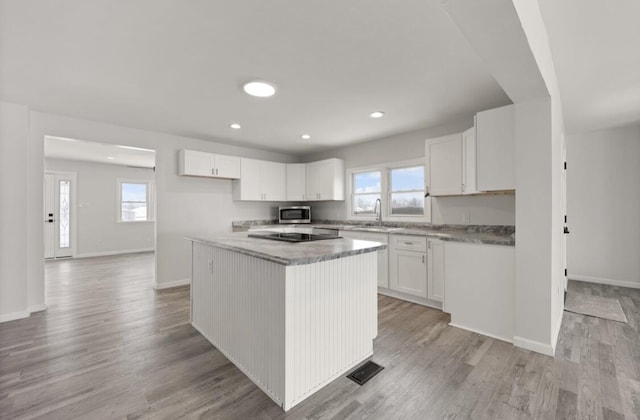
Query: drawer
[{"x": 409, "y": 242}]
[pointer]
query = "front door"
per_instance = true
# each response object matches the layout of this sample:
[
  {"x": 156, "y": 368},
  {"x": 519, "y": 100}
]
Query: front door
[{"x": 59, "y": 214}]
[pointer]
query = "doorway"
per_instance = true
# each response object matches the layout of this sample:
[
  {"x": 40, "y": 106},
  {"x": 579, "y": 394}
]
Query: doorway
[{"x": 59, "y": 215}]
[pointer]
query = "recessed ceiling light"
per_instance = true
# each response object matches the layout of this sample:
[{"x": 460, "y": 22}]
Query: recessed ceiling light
[
  {"x": 377, "y": 114},
  {"x": 110, "y": 157},
  {"x": 305, "y": 136},
  {"x": 259, "y": 88},
  {"x": 235, "y": 126}
]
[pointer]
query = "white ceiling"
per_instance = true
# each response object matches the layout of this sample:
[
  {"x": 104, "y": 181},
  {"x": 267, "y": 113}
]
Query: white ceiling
[
  {"x": 63, "y": 148},
  {"x": 177, "y": 67},
  {"x": 595, "y": 46}
]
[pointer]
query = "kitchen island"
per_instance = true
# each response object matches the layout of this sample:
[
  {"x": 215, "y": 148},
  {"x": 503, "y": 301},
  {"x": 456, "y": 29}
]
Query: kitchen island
[{"x": 292, "y": 316}]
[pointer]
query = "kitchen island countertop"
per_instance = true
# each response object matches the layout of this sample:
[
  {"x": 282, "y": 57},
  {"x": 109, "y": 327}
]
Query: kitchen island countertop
[{"x": 288, "y": 253}]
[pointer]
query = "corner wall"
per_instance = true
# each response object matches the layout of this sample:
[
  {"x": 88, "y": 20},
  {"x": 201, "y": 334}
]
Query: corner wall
[{"x": 14, "y": 123}]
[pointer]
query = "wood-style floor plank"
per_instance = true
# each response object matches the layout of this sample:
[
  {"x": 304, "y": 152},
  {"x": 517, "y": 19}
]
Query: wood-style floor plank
[{"x": 110, "y": 346}]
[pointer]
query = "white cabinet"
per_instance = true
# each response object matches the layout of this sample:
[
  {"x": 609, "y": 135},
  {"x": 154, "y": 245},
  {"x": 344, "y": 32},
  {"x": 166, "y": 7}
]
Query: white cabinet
[
  {"x": 495, "y": 143},
  {"x": 260, "y": 180},
  {"x": 383, "y": 256},
  {"x": 195, "y": 163},
  {"x": 443, "y": 157},
  {"x": 325, "y": 180},
  {"x": 296, "y": 181},
  {"x": 408, "y": 265},
  {"x": 435, "y": 283},
  {"x": 479, "y": 287},
  {"x": 469, "y": 184}
]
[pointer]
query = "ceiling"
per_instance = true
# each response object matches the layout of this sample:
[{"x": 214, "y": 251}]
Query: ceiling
[
  {"x": 177, "y": 67},
  {"x": 63, "y": 148},
  {"x": 595, "y": 46}
]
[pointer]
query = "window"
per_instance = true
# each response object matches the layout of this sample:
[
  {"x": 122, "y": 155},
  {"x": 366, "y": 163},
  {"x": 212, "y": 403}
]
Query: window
[
  {"x": 134, "y": 201},
  {"x": 366, "y": 190},
  {"x": 400, "y": 186},
  {"x": 407, "y": 191}
]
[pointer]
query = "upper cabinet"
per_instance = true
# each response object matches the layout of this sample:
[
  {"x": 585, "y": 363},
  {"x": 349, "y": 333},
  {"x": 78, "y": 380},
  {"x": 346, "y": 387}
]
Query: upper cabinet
[
  {"x": 194, "y": 163},
  {"x": 478, "y": 160},
  {"x": 325, "y": 180},
  {"x": 260, "y": 180},
  {"x": 495, "y": 149},
  {"x": 444, "y": 165},
  {"x": 296, "y": 181}
]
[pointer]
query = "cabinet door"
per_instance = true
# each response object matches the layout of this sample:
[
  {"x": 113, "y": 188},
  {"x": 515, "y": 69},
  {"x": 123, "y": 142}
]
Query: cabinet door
[
  {"x": 444, "y": 165},
  {"x": 408, "y": 271},
  {"x": 383, "y": 256},
  {"x": 250, "y": 188},
  {"x": 272, "y": 181},
  {"x": 227, "y": 166},
  {"x": 495, "y": 149},
  {"x": 469, "y": 161},
  {"x": 436, "y": 271},
  {"x": 195, "y": 163},
  {"x": 296, "y": 181},
  {"x": 319, "y": 180}
]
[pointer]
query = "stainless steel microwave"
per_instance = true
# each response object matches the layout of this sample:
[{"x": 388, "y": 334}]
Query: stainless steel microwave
[{"x": 294, "y": 214}]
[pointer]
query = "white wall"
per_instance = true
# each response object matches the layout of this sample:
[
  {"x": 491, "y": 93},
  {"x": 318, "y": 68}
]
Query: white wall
[
  {"x": 482, "y": 209},
  {"x": 603, "y": 206},
  {"x": 13, "y": 215},
  {"x": 98, "y": 232}
]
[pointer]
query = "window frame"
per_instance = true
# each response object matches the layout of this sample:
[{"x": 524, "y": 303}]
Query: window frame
[
  {"x": 385, "y": 195},
  {"x": 150, "y": 200},
  {"x": 352, "y": 193}
]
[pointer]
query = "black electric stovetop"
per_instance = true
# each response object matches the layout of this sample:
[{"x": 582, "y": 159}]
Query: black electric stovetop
[{"x": 291, "y": 237}]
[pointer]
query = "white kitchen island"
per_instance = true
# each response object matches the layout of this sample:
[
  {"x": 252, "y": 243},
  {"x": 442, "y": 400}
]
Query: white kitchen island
[{"x": 292, "y": 316}]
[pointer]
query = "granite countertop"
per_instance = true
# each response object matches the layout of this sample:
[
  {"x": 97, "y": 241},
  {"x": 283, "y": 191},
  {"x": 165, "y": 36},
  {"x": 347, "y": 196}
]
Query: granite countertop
[
  {"x": 288, "y": 253},
  {"x": 479, "y": 234}
]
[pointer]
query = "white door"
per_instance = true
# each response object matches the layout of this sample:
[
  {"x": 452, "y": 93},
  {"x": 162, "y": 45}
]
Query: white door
[
  {"x": 59, "y": 214},
  {"x": 443, "y": 157}
]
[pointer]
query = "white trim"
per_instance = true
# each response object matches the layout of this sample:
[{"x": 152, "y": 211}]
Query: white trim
[
  {"x": 508, "y": 340},
  {"x": 170, "y": 284},
  {"x": 603, "y": 280},
  {"x": 536, "y": 346},
  {"x": 37, "y": 308},
  {"x": 14, "y": 315},
  {"x": 118, "y": 252}
]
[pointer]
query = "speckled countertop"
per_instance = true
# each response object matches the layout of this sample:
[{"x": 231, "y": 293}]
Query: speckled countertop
[
  {"x": 480, "y": 234},
  {"x": 288, "y": 253}
]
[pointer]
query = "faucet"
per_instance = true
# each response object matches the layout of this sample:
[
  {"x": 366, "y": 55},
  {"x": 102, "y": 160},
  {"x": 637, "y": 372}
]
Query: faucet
[{"x": 377, "y": 209}]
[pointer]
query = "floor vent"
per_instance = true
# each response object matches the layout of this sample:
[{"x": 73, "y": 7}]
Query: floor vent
[{"x": 364, "y": 372}]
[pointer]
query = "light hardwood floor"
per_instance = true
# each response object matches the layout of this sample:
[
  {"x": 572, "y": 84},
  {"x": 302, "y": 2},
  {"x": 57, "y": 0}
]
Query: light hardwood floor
[{"x": 109, "y": 346}]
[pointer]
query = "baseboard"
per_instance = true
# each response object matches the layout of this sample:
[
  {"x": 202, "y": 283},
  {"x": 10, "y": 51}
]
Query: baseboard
[
  {"x": 536, "y": 346},
  {"x": 409, "y": 298},
  {"x": 119, "y": 252},
  {"x": 603, "y": 280},
  {"x": 14, "y": 315},
  {"x": 481, "y": 332},
  {"x": 170, "y": 284},
  {"x": 556, "y": 333},
  {"x": 37, "y": 308}
]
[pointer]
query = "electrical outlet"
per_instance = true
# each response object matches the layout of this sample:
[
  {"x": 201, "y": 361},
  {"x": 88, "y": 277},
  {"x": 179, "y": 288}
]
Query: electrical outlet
[{"x": 211, "y": 266}]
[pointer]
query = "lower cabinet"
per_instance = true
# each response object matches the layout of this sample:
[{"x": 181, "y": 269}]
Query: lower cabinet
[{"x": 409, "y": 272}]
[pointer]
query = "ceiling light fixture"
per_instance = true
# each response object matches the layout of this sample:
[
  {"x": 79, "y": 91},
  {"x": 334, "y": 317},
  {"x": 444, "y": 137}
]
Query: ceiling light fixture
[
  {"x": 259, "y": 88},
  {"x": 305, "y": 137},
  {"x": 377, "y": 114},
  {"x": 235, "y": 126},
  {"x": 110, "y": 158}
]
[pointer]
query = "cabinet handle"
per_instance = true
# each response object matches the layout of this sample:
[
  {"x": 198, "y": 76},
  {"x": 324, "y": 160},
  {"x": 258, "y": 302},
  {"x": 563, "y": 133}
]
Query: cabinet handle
[
  {"x": 408, "y": 243},
  {"x": 423, "y": 259},
  {"x": 462, "y": 187},
  {"x": 216, "y": 171},
  {"x": 212, "y": 171}
]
